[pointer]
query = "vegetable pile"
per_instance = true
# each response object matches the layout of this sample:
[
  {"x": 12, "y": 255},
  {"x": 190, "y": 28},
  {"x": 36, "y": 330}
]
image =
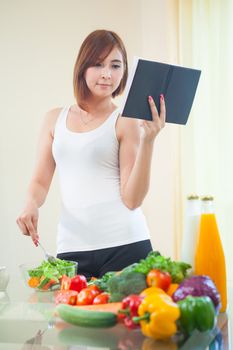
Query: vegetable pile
[
  {"x": 48, "y": 274},
  {"x": 156, "y": 295}
]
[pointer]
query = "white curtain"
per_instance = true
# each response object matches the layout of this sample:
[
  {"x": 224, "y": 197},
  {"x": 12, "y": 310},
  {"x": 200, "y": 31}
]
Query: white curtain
[{"x": 206, "y": 42}]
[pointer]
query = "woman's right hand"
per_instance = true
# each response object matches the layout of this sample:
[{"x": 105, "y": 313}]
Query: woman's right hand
[{"x": 27, "y": 221}]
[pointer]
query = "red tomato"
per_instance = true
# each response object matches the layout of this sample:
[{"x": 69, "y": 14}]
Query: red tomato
[
  {"x": 78, "y": 282},
  {"x": 85, "y": 297},
  {"x": 102, "y": 298},
  {"x": 95, "y": 290},
  {"x": 66, "y": 297},
  {"x": 94, "y": 287},
  {"x": 159, "y": 279}
]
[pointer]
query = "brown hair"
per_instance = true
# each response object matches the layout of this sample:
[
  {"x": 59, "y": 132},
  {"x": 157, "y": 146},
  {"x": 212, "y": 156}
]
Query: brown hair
[{"x": 96, "y": 47}]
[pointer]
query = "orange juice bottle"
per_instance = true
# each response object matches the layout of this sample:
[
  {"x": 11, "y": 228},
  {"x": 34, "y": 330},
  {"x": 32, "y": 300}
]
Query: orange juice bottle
[{"x": 209, "y": 257}]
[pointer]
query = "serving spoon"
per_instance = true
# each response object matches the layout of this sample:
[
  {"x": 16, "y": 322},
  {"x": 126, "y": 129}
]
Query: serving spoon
[{"x": 48, "y": 256}]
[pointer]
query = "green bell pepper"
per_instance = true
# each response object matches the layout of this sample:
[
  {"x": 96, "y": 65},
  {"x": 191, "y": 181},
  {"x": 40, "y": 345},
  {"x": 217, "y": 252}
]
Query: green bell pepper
[{"x": 196, "y": 313}]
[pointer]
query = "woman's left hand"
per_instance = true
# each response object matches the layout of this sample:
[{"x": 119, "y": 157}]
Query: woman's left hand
[{"x": 152, "y": 128}]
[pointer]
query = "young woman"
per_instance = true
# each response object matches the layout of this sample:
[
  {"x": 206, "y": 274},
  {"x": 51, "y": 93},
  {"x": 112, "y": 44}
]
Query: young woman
[{"x": 103, "y": 160}]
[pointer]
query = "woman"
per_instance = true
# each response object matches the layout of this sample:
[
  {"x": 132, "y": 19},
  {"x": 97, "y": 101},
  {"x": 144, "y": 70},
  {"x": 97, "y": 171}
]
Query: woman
[{"x": 103, "y": 161}]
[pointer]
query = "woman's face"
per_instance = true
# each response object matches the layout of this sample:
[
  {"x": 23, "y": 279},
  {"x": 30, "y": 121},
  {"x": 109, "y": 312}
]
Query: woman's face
[{"x": 104, "y": 78}]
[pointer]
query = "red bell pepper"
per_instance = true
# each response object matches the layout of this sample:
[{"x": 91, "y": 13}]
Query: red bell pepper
[
  {"x": 129, "y": 309},
  {"x": 78, "y": 282},
  {"x": 65, "y": 282}
]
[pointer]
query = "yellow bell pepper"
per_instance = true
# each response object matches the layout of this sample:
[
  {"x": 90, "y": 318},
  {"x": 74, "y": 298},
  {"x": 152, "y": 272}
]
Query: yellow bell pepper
[
  {"x": 157, "y": 316},
  {"x": 151, "y": 290}
]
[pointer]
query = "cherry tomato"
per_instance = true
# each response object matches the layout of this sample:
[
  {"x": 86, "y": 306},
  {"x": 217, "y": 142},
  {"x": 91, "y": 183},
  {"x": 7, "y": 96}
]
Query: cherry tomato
[
  {"x": 101, "y": 298},
  {"x": 159, "y": 279},
  {"x": 94, "y": 287},
  {"x": 78, "y": 282},
  {"x": 95, "y": 290},
  {"x": 85, "y": 297}
]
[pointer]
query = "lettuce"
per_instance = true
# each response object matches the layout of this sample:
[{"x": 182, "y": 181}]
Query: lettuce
[
  {"x": 177, "y": 269},
  {"x": 54, "y": 270}
]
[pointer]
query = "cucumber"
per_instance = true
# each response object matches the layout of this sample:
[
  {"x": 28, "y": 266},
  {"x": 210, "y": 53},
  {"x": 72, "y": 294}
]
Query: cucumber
[
  {"x": 86, "y": 318},
  {"x": 43, "y": 283}
]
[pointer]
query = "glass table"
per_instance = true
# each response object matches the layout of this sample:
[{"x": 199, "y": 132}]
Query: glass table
[{"x": 27, "y": 322}]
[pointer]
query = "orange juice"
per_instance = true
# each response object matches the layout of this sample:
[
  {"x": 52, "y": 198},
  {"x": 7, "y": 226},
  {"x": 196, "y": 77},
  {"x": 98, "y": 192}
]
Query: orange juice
[{"x": 209, "y": 257}]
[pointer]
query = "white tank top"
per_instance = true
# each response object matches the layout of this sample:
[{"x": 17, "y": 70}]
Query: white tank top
[{"x": 93, "y": 215}]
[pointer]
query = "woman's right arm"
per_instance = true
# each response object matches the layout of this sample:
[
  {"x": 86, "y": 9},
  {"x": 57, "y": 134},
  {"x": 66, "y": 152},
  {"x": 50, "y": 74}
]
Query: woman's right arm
[{"x": 41, "y": 179}]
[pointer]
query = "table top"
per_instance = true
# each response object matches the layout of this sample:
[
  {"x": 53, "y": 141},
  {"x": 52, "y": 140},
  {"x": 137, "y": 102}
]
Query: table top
[{"x": 27, "y": 322}]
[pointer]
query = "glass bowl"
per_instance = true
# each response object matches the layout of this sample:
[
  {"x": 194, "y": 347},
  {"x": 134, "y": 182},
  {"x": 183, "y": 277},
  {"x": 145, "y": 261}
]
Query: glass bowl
[
  {"x": 46, "y": 276},
  {"x": 4, "y": 278}
]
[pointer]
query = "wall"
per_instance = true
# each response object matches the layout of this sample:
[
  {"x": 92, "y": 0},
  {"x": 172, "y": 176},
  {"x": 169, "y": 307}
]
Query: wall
[
  {"x": 163, "y": 204},
  {"x": 39, "y": 44}
]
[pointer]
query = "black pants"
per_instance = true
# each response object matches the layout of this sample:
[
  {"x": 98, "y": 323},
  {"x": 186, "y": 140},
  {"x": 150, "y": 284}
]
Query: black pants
[{"x": 97, "y": 262}]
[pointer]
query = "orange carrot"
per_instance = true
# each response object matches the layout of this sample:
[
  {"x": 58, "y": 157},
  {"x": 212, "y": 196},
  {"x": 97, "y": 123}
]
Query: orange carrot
[
  {"x": 33, "y": 282},
  {"x": 111, "y": 307}
]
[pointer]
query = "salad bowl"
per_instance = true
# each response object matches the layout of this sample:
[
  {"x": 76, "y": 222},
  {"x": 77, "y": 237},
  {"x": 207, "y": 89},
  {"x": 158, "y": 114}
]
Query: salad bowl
[{"x": 46, "y": 276}]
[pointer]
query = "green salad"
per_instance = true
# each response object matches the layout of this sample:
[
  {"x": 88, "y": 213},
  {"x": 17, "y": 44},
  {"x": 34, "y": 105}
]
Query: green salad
[{"x": 48, "y": 274}]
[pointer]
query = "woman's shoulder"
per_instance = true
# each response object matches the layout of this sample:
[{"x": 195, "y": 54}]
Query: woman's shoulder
[
  {"x": 51, "y": 118},
  {"x": 53, "y": 113},
  {"x": 127, "y": 126}
]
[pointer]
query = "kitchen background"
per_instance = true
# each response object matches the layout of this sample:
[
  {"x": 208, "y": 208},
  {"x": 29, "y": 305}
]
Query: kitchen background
[{"x": 39, "y": 42}]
